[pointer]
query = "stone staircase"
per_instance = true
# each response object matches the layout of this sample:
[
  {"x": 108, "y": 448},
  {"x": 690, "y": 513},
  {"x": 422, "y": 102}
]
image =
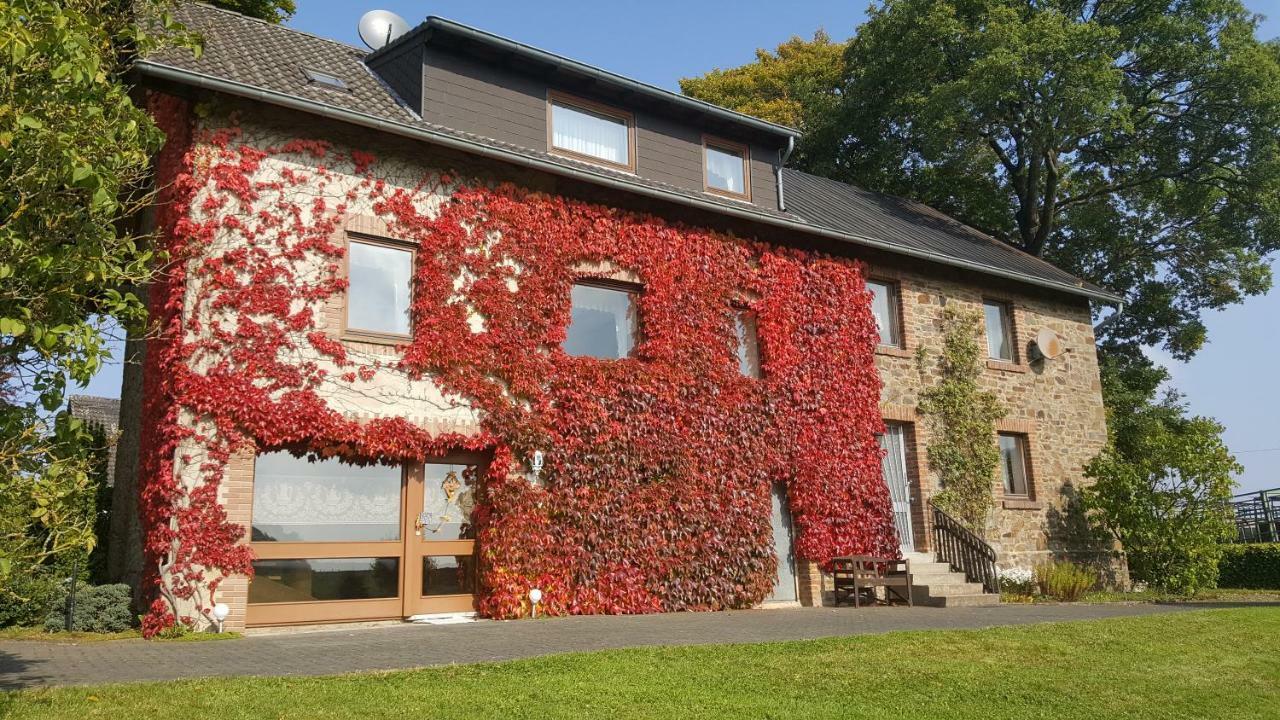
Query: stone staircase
[{"x": 934, "y": 584}]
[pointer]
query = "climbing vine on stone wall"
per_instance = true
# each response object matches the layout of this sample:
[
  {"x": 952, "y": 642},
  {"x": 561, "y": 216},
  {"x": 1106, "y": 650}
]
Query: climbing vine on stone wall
[
  {"x": 962, "y": 416},
  {"x": 656, "y": 491}
]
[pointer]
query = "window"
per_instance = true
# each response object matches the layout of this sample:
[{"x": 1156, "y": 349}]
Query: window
[
  {"x": 1013, "y": 464},
  {"x": 585, "y": 129},
  {"x": 604, "y": 321},
  {"x": 378, "y": 294},
  {"x": 748, "y": 342},
  {"x": 884, "y": 306},
  {"x": 295, "y": 500},
  {"x": 726, "y": 167},
  {"x": 999, "y": 331},
  {"x": 319, "y": 77},
  {"x": 311, "y": 580}
]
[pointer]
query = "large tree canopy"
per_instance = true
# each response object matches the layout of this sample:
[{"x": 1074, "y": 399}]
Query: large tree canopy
[
  {"x": 1134, "y": 143},
  {"x": 75, "y": 154}
]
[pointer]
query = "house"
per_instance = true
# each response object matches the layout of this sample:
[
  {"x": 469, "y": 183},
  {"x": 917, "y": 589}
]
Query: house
[{"x": 459, "y": 318}]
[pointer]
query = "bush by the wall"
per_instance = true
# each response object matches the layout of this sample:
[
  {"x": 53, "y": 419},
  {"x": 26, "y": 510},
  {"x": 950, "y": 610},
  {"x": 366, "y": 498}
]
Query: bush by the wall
[
  {"x": 99, "y": 608},
  {"x": 1064, "y": 581},
  {"x": 1254, "y": 566}
]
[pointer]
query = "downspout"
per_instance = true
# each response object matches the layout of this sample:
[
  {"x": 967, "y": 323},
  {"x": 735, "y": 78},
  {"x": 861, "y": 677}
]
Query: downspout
[{"x": 783, "y": 156}]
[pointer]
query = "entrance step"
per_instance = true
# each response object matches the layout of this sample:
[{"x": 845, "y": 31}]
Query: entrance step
[{"x": 934, "y": 584}]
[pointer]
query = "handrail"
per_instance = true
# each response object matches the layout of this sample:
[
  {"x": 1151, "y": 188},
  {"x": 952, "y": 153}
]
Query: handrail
[{"x": 964, "y": 551}]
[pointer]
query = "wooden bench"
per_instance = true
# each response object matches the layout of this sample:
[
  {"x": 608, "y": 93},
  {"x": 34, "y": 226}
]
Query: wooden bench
[{"x": 857, "y": 575}]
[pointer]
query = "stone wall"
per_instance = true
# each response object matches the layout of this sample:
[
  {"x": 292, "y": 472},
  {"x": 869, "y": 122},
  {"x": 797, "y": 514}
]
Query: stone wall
[{"x": 1055, "y": 403}]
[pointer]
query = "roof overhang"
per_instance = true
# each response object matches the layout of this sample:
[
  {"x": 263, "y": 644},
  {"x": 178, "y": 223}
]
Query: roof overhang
[{"x": 161, "y": 71}]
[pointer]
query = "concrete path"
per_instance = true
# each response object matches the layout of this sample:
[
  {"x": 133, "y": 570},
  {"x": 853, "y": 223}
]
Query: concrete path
[{"x": 35, "y": 664}]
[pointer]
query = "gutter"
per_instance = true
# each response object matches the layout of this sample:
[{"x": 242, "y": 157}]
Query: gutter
[{"x": 207, "y": 82}]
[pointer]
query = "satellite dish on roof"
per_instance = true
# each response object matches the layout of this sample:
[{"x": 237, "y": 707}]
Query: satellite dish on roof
[
  {"x": 1048, "y": 344},
  {"x": 379, "y": 27}
]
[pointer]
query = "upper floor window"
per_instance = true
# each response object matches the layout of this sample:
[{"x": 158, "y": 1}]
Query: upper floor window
[
  {"x": 378, "y": 294},
  {"x": 604, "y": 322},
  {"x": 999, "y": 330},
  {"x": 1013, "y": 464},
  {"x": 884, "y": 306},
  {"x": 748, "y": 342},
  {"x": 591, "y": 131},
  {"x": 726, "y": 167}
]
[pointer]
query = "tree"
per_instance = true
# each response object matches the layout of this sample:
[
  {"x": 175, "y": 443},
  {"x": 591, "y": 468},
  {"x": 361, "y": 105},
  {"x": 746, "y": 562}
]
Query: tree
[
  {"x": 962, "y": 419},
  {"x": 1163, "y": 485},
  {"x": 797, "y": 85},
  {"x": 1136, "y": 144},
  {"x": 273, "y": 11},
  {"x": 75, "y": 156}
]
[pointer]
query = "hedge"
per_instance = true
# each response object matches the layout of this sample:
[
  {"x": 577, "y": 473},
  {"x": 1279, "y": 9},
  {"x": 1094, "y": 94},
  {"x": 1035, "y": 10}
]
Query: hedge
[{"x": 1254, "y": 566}]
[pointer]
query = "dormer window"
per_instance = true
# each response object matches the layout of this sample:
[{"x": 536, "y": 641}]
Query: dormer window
[
  {"x": 725, "y": 166},
  {"x": 589, "y": 131}
]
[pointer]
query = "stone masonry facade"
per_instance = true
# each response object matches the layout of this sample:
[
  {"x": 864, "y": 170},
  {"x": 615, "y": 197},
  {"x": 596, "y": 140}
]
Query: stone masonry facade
[{"x": 1055, "y": 404}]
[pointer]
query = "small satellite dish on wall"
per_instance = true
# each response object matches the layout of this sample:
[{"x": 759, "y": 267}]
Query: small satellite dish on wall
[
  {"x": 1048, "y": 344},
  {"x": 379, "y": 27}
]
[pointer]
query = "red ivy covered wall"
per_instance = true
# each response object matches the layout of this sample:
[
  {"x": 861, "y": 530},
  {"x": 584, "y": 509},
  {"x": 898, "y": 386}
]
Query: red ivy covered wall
[{"x": 656, "y": 492}]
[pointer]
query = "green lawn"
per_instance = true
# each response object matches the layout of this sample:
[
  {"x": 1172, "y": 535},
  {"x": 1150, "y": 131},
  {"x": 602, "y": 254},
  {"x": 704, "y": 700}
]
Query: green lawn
[{"x": 1201, "y": 664}]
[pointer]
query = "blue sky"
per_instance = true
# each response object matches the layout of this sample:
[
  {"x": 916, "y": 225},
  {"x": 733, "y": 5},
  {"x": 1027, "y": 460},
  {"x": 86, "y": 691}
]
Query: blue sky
[{"x": 1233, "y": 379}]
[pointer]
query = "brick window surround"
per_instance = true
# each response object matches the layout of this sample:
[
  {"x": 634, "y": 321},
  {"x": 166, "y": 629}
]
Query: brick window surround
[{"x": 1027, "y": 430}]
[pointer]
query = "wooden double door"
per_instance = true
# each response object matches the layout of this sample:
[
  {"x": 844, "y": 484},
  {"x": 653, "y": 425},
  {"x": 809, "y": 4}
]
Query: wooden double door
[{"x": 329, "y": 553}]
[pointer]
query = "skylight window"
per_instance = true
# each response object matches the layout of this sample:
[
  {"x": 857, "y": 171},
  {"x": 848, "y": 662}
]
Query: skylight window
[{"x": 323, "y": 78}]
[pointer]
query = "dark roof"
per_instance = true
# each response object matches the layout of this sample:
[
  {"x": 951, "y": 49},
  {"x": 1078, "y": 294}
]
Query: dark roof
[
  {"x": 258, "y": 60},
  {"x": 910, "y": 224},
  {"x": 101, "y": 412}
]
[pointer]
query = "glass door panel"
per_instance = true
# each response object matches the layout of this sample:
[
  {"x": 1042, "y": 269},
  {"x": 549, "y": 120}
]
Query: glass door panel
[{"x": 439, "y": 540}]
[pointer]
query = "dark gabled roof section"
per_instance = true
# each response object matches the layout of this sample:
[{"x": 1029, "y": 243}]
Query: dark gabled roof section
[
  {"x": 257, "y": 60},
  {"x": 840, "y": 206}
]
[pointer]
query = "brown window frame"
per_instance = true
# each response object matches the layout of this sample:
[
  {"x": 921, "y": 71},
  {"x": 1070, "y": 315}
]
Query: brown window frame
[
  {"x": 1010, "y": 329},
  {"x": 1024, "y": 443},
  {"x": 409, "y": 550},
  {"x": 895, "y": 310},
  {"x": 729, "y": 145},
  {"x": 631, "y": 288},
  {"x": 557, "y": 97},
  {"x": 374, "y": 336}
]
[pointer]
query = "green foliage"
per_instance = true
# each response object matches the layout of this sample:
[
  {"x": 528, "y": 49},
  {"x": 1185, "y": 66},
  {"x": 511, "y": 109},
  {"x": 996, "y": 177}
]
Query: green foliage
[
  {"x": 75, "y": 156},
  {"x": 99, "y": 609},
  {"x": 1064, "y": 581},
  {"x": 1255, "y": 566},
  {"x": 797, "y": 85},
  {"x": 27, "y": 597},
  {"x": 1136, "y": 144},
  {"x": 273, "y": 11},
  {"x": 1162, "y": 486},
  {"x": 963, "y": 451}
]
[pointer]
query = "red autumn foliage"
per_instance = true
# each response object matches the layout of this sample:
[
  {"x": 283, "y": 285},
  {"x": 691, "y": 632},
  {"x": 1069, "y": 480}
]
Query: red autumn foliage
[{"x": 656, "y": 492}]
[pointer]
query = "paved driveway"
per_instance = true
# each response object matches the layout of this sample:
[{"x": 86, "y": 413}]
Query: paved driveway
[{"x": 33, "y": 664}]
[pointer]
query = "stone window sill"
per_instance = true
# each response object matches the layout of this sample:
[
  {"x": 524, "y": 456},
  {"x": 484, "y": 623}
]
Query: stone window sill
[
  {"x": 1022, "y": 504},
  {"x": 891, "y": 351},
  {"x": 1006, "y": 366}
]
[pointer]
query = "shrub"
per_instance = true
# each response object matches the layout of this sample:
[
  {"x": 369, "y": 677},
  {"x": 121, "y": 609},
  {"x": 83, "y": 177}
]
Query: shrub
[
  {"x": 1256, "y": 567},
  {"x": 99, "y": 608},
  {"x": 1064, "y": 581},
  {"x": 1017, "y": 581},
  {"x": 26, "y": 597}
]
